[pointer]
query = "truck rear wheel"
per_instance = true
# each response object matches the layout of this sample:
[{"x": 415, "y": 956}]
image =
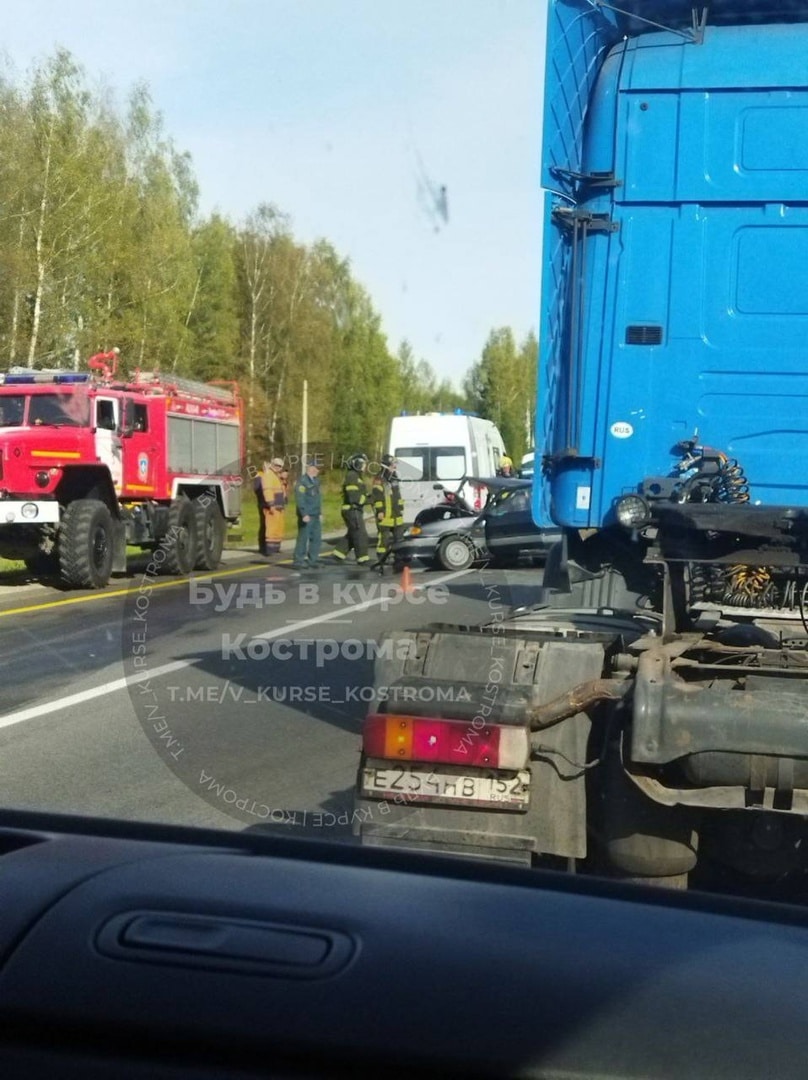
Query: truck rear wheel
[
  {"x": 179, "y": 542},
  {"x": 642, "y": 839},
  {"x": 675, "y": 881},
  {"x": 209, "y": 527},
  {"x": 86, "y": 545}
]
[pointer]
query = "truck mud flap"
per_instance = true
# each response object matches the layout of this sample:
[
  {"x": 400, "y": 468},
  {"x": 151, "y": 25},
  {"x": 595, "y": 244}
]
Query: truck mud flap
[
  {"x": 499, "y": 677},
  {"x": 119, "y": 546}
]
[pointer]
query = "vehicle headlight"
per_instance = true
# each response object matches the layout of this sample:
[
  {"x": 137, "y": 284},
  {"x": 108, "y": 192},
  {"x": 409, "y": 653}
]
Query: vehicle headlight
[
  {"x": 29, "y": 511},
  {"x": 414, "y": 530},
  {"x": 632, "y": 511}
]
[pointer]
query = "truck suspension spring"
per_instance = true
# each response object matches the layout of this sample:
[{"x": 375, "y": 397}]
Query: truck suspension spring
[
  {"x": 737, "y": 586},
  {"x": 730, "y": 485},
  {"x": 706, "y": 584},
  {"x": 749, "y": 586}
]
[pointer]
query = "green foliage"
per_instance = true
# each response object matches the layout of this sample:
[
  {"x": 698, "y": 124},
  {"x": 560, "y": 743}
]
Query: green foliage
[
  {"x": 102, "y": 246},
  {"x": 418, "y": 389},
  {"x": 95, "y": 223},
  {"x": 502, "y": 387},
  {"x": 213, "y": 318}
]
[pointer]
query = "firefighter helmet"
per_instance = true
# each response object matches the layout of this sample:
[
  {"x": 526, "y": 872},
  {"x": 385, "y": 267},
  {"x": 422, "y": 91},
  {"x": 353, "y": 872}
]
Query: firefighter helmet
[
  {"x": 388, "y": 467},
  {"x": 357, "y": 462}
]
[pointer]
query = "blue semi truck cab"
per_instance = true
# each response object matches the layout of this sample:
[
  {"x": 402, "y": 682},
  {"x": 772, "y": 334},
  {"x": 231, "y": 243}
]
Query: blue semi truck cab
[
  {"x": 674, "y": 366},
  {"x": 660, "y": 691}
]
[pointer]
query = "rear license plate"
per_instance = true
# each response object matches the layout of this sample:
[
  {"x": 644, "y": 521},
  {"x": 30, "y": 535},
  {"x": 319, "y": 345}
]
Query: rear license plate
[{"x": 420, "y": 784}]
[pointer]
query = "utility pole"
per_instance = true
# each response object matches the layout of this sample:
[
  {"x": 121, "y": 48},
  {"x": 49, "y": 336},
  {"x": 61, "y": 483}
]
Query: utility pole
[{"x": 304, "y": 427}]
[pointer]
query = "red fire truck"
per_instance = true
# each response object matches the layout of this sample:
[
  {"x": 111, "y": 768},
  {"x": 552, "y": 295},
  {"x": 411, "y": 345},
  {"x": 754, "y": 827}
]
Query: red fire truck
[{"x": 90, "y": 462}]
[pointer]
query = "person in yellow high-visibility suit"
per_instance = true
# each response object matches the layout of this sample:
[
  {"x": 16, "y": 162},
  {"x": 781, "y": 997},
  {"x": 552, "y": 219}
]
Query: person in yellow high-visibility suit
[{"x": 275, "y": 499}]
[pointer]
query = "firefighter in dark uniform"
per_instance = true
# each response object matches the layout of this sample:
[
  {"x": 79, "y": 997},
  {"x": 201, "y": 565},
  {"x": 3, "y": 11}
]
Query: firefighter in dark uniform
[
  {"x": 388, "y": 508},
  {"x": 354, "y": 499}
]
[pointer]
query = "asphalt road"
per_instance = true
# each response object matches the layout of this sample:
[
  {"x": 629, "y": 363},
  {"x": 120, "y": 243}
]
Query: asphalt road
[{"x": 230, "y": 701}]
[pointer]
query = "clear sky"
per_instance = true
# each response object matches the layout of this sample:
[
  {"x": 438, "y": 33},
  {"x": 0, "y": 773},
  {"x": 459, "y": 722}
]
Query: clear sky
[{"x": 350, "y": 116}]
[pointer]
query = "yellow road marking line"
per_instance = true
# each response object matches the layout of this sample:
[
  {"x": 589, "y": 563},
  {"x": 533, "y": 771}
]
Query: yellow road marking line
[{"x": 108, "y": 595}]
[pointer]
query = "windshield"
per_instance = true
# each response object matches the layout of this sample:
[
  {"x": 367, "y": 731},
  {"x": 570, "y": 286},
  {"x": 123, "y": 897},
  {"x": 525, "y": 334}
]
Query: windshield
[
  {"x": 268, "y": 322},
  {"x": 12, "y": 408},
  {"x": 431, "y": 462},
  {"x": 509, "y": 502},
  {"x": 266, "y": 249},
  {"x": 58, "y": 410}
]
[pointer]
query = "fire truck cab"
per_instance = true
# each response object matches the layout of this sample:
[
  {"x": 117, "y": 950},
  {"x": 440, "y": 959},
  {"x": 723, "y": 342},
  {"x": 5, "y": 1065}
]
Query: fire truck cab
[{"x": 91, "y": 463}]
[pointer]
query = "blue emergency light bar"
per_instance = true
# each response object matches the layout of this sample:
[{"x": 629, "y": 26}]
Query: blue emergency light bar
[{"x": 19, "y": 378}]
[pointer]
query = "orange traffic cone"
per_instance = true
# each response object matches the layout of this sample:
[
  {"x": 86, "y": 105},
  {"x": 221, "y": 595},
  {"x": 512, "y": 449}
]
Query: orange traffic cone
[{"x": 406, "y": 579}]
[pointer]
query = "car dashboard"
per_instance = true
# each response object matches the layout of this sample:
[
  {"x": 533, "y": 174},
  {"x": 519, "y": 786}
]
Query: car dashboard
[{"x": 134, "y": 951}]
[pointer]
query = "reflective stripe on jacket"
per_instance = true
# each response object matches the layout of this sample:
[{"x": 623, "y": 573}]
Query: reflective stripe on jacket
[
  {"x": 354, "y": 492},
  {"x": 388, "y": 506}
]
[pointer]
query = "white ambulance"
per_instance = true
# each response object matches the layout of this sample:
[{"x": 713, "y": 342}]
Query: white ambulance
[{"x": 439, "y": 450}]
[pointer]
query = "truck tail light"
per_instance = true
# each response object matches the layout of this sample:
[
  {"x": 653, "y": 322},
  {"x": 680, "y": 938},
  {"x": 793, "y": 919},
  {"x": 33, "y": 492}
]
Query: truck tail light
[
  {"x": 478, "y": 502},
  {"x": 452, "y": 742}
]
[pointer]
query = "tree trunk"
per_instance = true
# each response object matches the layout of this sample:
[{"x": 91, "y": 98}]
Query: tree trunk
[
  {"x": 15, "y": 307},
  {"x": 273, "y": 424},
  {"x": 191, "y": 307},
  {"x": 40, "y": 261},
  {"x": 142, "y": 349}
]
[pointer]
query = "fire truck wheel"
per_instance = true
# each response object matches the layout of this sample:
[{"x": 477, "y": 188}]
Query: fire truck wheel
[
  {"x": 209, "y": 525},
  {"x": 180, "y": 545},
  {"x": 86, "y": 544}
]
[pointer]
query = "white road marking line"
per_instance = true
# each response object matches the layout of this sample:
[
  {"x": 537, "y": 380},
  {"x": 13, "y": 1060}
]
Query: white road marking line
[
  {"x": 347, "y": 621},
  {"x": 88, "y": 695},
  {"x": 48, "y": 707}
]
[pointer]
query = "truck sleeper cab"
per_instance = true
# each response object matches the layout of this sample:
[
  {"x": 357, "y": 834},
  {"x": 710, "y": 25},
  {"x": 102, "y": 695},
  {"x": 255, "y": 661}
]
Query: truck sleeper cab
[{"x": 673, "y": 351}]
